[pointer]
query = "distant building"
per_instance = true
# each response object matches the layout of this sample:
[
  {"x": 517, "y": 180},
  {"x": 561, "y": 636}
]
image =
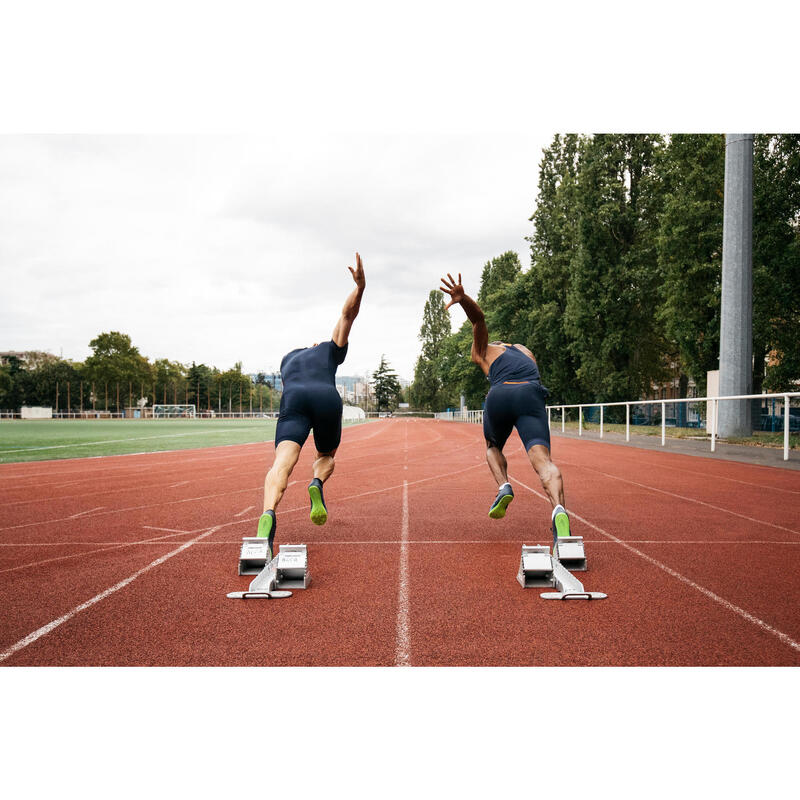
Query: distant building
[{"x": 30, "y": 358}]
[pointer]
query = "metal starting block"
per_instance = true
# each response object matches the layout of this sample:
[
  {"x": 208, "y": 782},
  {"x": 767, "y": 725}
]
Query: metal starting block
[
  {"x": 288, "y": 570},
  {"x": 292, "y": 567},
  {"x": 537, "y": 567},
  {"x": 569, "y": 551},
  {"x": 253, "y": 557}
]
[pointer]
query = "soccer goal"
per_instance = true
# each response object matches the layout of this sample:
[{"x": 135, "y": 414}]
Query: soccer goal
[{"x": 173, "y": 411}]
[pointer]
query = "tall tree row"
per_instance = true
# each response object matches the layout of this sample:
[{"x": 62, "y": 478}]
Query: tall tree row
[
  {"x": 117, "y": 375},
  {"x": 623, "y": 288}
]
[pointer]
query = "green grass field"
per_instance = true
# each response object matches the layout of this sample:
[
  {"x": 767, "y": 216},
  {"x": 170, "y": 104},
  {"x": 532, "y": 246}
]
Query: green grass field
[{"x": 43, "y": 440}]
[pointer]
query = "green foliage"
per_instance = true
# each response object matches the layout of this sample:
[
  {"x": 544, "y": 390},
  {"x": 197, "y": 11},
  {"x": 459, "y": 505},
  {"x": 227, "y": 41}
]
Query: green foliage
[
  {"x": 426, "y": 391},
  {"x": 115, "y": 360},
  {"x": 200, "y": 380},
  {"x": 776, "y": 261},
  {"x": 386, "y": 386},
  {"x": 234, "y": 388},
  {"x": 689, "y": 250},
  {"x": 613, "y": 284},
  {"x": 626, "y": 258}
]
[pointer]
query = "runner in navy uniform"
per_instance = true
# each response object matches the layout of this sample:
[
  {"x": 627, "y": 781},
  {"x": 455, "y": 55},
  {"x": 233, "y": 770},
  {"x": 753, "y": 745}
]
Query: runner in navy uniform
[
  {"x": 310, "y": 401},
  {"x": 516, "y": 399}
]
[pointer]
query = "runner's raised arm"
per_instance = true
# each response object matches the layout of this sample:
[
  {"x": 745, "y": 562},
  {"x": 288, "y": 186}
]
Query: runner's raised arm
[
  {"x": 351, "y": 305},
  {"x": 480, "y": 333}
]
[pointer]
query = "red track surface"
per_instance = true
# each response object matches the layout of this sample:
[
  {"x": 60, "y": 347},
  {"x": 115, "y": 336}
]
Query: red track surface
[{"x": 127, "y": 560}]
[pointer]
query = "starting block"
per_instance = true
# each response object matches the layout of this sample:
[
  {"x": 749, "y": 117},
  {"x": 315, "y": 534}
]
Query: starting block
[
  {"x": 253, "y": 557},
  {"x": 569, "y": 551},
  {"x": 537, "y": 567},
  {"x": 288, "y": 570}
]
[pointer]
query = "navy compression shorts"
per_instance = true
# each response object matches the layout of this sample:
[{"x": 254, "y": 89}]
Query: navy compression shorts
[
  {"x": 316, "y": 406},
  {"x": 519, "y": 405}
]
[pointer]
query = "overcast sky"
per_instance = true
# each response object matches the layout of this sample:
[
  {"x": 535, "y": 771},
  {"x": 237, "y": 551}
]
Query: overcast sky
[{"x": 223, "y": 249}]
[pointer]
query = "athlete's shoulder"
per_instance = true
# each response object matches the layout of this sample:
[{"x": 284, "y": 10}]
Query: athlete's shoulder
[{"x": 523, "y": 349}]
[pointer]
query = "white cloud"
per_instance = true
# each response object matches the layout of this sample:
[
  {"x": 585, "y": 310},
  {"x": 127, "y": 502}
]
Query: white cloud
[{"x": 220, "y": 249}]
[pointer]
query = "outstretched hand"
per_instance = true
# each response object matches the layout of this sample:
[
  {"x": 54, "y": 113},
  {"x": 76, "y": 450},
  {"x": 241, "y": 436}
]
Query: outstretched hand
[
  {"x": 453, "y": 288},
  {"x": 358, "y": 273}
]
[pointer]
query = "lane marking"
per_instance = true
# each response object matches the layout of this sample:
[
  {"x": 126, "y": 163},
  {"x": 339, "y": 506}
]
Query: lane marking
[
  {"x": 684, "y": 471},
  {"x": 683, "y": 497},
  {"x": 84, "y": 513},
  {"x": 157, "y": 528},
  {"x": 180, "y": 483},
  {"x": 244, "y": 511},
  {"x": 354, "y": 496},
  {"x": 746, "y": 615},
  {"x": 402, "y": 657},
  {"x": 403, "y": 641},
  {"x": 51, "y": 626},
  {"x": 104, "y": 547},
  {"x": 135, "y": 508},
  {"x": 364, "y": 542}
]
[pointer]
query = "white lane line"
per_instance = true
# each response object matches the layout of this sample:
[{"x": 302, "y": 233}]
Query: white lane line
[
  {"x": 688, "y": 581},
  {"x": 355, "y": 496},
  {"x": 135, "y": 508},
  {"x": 403, "y": 643},
  {"x": 244, "y": 511},
  {"x": 51, "y": 626},
  {"x": 363, "y": 542},
  {"x": 403, "y": 646},
  {"x": 688, "y": 499},
  {"x": 716, "y": 476},
  {"x": 402, "y": 656},
  {"x": 84, "y": 513},
  {"x": 156, "y": 528},
  {"x": 179, "y": 483},
  {"x": 104, "y": 547}
]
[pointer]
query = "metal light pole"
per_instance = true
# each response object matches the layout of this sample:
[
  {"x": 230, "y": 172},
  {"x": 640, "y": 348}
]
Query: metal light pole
[{"x": 736, "y": 327}]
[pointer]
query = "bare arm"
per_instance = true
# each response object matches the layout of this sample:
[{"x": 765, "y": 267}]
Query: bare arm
[
  {"x": 351, "y": 305},
  {"x": 480, "y": 333}
]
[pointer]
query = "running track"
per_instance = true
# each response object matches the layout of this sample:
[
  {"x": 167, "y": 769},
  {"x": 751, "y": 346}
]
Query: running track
[{"x": 127, "y": 560}]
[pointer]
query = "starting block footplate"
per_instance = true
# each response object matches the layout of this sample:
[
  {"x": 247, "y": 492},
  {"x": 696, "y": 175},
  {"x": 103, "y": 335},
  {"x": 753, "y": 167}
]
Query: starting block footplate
[{"x": 271, "y": 595}]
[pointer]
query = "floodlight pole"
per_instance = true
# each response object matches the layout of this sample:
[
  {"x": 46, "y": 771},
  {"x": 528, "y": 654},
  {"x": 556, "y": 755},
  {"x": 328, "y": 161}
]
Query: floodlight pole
[{"x": 736, "y": 326}]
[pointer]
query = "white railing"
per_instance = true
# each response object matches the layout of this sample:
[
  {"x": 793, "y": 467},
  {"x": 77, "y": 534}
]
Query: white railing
[
  {"x": 712, "y": 406},
  {"x": 460, "y": 416}
]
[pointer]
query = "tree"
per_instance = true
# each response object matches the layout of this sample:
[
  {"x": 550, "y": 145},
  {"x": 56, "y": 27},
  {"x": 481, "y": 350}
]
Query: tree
[
  {"x": 385, "y": 385},
  {"x": 200, "y": 378},
  {"x": 426, "y": 391},
  {"x": 234, "y": 388},
  {"x": 169, "y": 378},
  {"x": 613, "y": 291},
  {"x": 47, "y": 384},
  {"x": 540, "y": 324},
  {"x": 689, "y": 250},
  {"x": 116, "y": 361},
  {"x": 776, "y": 261}
]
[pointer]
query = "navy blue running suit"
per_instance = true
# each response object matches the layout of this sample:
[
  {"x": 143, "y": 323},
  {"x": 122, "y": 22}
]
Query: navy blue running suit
[
  {"x": 310, "y": 399},
  {"x": 516, "y": 399}
]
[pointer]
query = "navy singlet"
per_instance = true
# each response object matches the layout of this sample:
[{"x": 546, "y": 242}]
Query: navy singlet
[
  {"x": 310, "y": 399},
  {"x": 516, "y": 399}
]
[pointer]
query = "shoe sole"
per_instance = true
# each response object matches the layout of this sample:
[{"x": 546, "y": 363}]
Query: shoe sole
[
  {"x": 499, "y": 511},
  {"x": 562, "y": 525},
  {"x": 319, "y": 514}
]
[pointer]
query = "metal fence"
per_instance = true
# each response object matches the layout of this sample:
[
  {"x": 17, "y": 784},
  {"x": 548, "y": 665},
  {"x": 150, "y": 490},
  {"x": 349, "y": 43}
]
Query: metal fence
[{"x": 769, "y": 412}]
